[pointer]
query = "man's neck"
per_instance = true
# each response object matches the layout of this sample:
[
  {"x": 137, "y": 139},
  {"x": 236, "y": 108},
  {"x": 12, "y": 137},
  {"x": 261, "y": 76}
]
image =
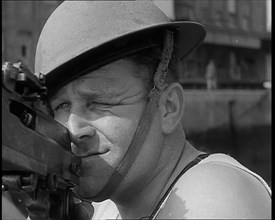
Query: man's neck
[{"x": 143, "y": 203}]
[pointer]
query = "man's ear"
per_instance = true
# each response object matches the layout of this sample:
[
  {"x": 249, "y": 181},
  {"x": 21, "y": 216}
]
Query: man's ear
[{"x": 171, "y": 105}]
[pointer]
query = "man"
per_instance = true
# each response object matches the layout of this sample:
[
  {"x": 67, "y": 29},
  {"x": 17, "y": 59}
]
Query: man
[
  {"x": 211, "y": 75},
  {"x": 110, "y": 70}
]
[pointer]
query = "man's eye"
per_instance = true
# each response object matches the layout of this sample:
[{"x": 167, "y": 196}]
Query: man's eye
[
  {"x": 92, "y": 105},
  {"x": 62, "y": 106}
]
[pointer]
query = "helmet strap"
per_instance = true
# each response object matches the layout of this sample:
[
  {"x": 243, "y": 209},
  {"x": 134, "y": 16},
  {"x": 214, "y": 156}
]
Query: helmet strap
[{"x": 144, "y": 124}]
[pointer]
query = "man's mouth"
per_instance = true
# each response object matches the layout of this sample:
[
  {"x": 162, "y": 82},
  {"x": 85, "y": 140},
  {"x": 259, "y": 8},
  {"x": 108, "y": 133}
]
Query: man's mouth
[
  {"x": 92, "y": 154},
  {"x": 91, "y": 162},
  {"x": 86, "y": 154}
]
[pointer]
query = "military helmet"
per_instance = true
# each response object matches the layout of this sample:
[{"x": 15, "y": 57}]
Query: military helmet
[{"x": 81, "y": 36}]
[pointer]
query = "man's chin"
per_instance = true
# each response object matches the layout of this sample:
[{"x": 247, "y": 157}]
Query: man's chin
[{"x": 83, "y": 195}]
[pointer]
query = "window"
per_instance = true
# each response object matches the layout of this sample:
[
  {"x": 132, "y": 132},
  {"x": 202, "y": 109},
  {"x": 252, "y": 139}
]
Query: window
[
  {"x": 231, "y": 6},
  {"x": 24, "y": 51},
  {"x": 245, "y": 23},
  {"x": 268, "y": 15}
]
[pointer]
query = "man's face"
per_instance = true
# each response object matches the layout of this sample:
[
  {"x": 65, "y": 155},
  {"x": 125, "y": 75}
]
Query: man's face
[{"x": 102, "y": 111}]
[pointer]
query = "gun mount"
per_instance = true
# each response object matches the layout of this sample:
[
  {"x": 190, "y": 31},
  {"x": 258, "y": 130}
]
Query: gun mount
[{"x": 35, "y": 148}]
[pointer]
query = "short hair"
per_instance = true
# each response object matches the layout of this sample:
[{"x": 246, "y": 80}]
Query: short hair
[{"x": 150, "y": 58}]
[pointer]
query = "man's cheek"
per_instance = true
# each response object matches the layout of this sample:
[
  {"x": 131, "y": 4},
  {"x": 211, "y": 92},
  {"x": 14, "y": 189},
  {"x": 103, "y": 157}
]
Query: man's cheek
[
  {"x": 116, "y": 129},
  {"x": 124, "y": 133}
]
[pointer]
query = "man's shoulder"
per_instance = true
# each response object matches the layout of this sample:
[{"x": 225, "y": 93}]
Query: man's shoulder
[
  {"x": 217, "y": 190},
  {"x": 105, "y": 210}
]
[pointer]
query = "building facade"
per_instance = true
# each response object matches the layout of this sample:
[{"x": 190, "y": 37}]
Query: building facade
[
  {"x": 238, "y": 42},
  {"x": 22, "y": 22}
]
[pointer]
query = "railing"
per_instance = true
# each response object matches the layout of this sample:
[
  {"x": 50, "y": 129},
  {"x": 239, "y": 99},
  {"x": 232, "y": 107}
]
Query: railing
[{"x": 226, "y": 84}]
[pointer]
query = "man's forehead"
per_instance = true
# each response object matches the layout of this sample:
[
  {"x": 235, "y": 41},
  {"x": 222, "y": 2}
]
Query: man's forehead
[{"x": 105, "y": 73}]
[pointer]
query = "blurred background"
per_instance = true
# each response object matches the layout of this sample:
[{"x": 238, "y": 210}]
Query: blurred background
[{"x": 227, "y": 80}]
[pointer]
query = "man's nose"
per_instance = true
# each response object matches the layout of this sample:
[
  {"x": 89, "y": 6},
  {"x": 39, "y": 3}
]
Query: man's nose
[{"x": 80, "y": 128}]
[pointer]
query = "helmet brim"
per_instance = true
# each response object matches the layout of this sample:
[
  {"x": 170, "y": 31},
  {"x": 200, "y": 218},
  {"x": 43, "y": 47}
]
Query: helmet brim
[{"x": 188, "y": 36}]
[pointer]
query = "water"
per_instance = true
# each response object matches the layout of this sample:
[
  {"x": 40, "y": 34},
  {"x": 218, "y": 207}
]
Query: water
[{"x": 250, "y": 146}]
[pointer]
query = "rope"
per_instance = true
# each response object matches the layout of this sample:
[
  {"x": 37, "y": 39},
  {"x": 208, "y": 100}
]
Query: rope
[{"x": 162, "y": 69}]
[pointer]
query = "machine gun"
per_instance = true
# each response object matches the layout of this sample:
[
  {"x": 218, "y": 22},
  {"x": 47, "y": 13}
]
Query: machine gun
[{"x": 35, "y": 148}]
